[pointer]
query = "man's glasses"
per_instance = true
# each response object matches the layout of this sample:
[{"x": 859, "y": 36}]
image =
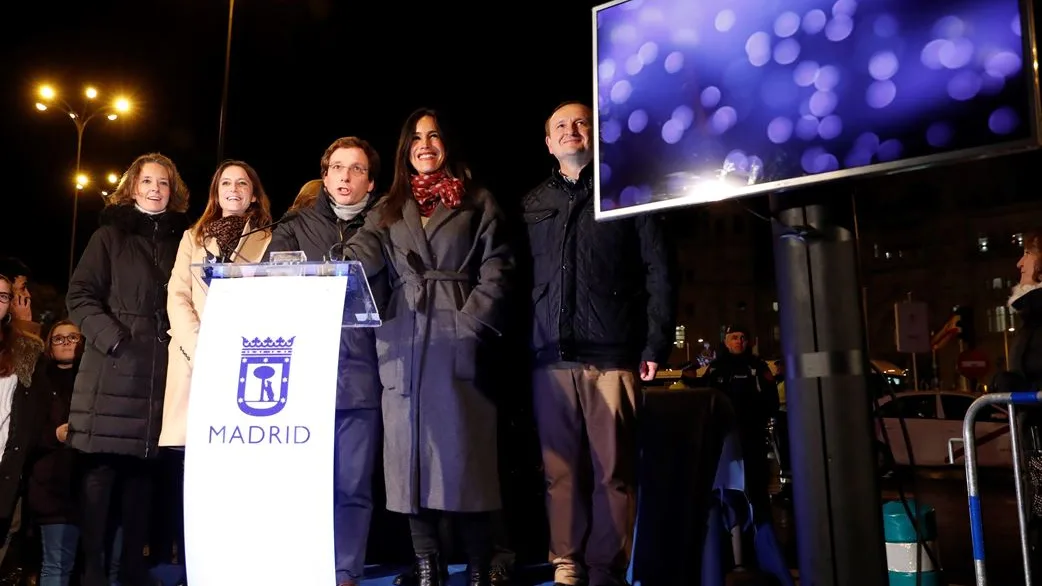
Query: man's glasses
[
  {"x": 60, "y": 340},
  {"x": 354, "y": 170}
]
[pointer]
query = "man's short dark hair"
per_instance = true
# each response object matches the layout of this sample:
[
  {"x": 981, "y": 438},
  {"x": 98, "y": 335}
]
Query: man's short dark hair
[{"x": 13, "y": 268}]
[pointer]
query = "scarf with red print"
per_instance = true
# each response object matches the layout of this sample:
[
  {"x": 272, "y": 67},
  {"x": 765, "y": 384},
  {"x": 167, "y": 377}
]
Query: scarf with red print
[{"x": 437, "y": 187}]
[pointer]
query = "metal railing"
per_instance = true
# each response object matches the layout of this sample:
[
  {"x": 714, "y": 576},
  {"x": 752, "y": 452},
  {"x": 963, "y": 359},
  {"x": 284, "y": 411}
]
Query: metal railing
[{"x": 969, "y": 440}]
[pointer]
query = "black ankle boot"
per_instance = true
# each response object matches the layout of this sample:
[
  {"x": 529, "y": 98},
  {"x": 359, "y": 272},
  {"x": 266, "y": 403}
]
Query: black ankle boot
[
  {"x": 428, "y": 570},
  {"x": 478, "y": 574},
  {"x": 407, "y": 577}
]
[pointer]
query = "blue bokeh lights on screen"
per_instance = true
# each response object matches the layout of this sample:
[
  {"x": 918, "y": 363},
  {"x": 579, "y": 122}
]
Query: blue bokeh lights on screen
[{"x": 698, "y": 100}]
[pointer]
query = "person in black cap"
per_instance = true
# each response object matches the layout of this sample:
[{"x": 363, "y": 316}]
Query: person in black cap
[{"x": 753, "y": 390}]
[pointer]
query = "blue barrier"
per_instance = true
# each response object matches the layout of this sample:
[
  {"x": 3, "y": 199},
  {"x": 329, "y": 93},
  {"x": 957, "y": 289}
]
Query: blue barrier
[{"x": 969, "y": 440}]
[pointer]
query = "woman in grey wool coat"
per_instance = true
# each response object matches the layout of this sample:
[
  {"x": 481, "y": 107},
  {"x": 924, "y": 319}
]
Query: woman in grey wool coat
[{"x": 442, "y": 242}]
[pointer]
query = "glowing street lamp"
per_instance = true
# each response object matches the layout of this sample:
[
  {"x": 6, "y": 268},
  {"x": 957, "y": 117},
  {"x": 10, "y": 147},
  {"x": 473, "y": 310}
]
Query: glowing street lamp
[
  {"x": 49, "y": 98},
  {"x": 83, "y": 181}
]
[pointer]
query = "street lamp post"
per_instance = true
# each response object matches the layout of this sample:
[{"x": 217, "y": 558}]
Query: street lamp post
[{"x": 81, "y": 118}]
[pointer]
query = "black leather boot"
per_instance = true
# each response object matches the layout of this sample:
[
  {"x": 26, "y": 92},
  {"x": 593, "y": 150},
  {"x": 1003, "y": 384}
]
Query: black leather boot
[
  {"x": 408, "y": 576},
  {"x": 499, "y": 575},
  {"x": 478, "y": 574},
  {"x": 428, "y": 570}
]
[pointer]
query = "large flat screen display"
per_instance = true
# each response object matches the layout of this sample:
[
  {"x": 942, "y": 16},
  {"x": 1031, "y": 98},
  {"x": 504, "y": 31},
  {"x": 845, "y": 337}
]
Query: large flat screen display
[{"x": 703, "y": 100}]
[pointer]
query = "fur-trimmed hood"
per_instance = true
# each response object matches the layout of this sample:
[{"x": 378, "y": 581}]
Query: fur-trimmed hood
[
  {"x": 27, "y": 351},
  {"x": 1020, "y": 290}
]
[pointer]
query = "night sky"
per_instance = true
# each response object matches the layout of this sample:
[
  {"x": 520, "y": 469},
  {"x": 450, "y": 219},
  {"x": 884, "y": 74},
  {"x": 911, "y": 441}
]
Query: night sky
[{"x": 303, "y": 73}]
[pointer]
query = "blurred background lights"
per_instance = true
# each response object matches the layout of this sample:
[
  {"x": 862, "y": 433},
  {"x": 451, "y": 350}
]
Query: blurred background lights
[
  {"x": 648, "y": 52},
  {"x": 672, "y": 131},
  {"x": 839, "y": 28},
  {"x": 807, "y": 127},
  {"x": 638, "y": 121},
  {"x": 830, "y": 127},
  {"x": 825, "y": 77},
  {"x": 805, "y": 74},
  {"x": 822, "y": 103},
  {"x": 786, "y": 24},
  {"x": 779, "y": 130},
  {"x": 673, "y": 62},
  {"x": 634, "y": 64},
  {"x": 620, "y": 92},
  {"x": 758, "y": 48},
  {"x": 955, "y": 54},
  {"x": 949, "y": 27},
  {"x": 710, "y": 97},
  {"x": 844, "y": 7},
  {"x": 685, "y": 36},
  {"x": 889, "y": 150},
  {"x": 725, "y": 20},
  {"x": 1003, "y": 64},
  {"x": 723, "y": 119},
  {"x": 881, "y": 94},
  {"x": 684, "y": 116},
  {"x": 1004, "y": 120},
  {"x": 814, "y": 21},
  {"x": 786, "y": 51},
  {"x": 939, "y": 134},
  {"x": 883, "y": 65},
  {"x": 964, "y": 85}
]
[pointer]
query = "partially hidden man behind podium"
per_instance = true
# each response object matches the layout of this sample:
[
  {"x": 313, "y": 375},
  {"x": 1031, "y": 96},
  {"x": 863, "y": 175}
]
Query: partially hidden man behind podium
[{"x": 349, "y": 169}]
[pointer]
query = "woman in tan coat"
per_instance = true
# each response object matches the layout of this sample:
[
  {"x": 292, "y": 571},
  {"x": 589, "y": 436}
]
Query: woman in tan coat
[{"x": 237, "y": 206}]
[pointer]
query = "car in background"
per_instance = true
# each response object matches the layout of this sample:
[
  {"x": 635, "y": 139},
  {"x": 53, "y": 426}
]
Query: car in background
[
  {"x": 932, "y": 418},
  {"x": 884, "y": 377}
]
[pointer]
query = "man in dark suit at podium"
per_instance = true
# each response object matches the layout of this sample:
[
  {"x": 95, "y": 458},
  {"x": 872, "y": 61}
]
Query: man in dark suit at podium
[{"x": 349, "y": 170}]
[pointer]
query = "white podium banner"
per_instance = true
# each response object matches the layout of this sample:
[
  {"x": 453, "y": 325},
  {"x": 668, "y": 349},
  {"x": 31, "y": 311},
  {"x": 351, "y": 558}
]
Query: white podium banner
[{"x": 259, "y": 452}]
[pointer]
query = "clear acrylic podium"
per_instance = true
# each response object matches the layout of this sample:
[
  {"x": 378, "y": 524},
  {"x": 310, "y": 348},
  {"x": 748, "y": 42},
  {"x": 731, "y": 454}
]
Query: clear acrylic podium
[
  {"x": 359, "y": 307},
  {"x": 259, "y": 445}
]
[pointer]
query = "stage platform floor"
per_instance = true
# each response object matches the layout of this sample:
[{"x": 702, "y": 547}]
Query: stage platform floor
[
  {"x": 531, "y": 576},
  {"x": 541, "y": 575}
]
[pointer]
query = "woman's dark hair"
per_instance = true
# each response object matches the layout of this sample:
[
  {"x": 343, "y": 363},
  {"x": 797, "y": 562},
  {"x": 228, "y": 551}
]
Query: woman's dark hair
[
  {"x": 401, "y": 184},
  {"x": 258, "y": 212},
  {"x": 14, "y": 268}
]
